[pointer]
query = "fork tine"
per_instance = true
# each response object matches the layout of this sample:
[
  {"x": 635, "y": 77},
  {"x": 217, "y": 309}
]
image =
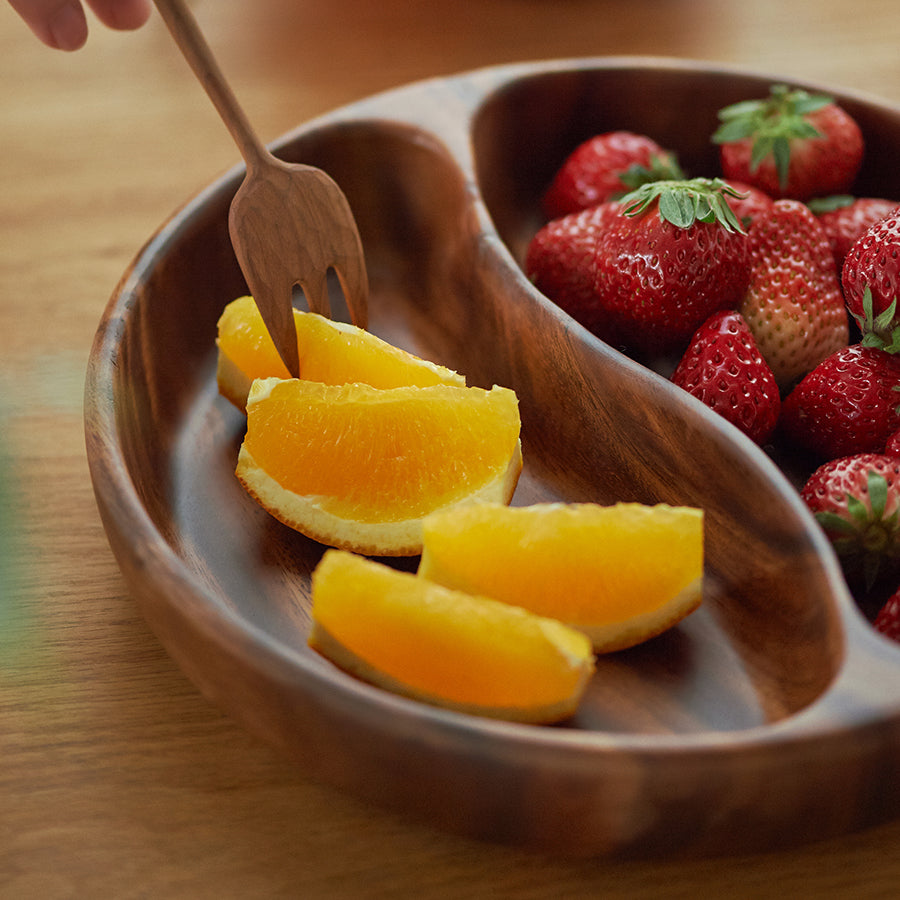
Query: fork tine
[
  {"x": 354, "y": 281},
  {"x": 349, "y": 264},
  {"x": 315, "y": 289},
  {"x": 278, "y": 318},
  {"x": 273, "y": 300}
]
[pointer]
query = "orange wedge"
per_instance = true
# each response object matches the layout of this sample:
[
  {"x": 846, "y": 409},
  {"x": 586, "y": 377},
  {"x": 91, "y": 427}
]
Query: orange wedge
[
  {"x": 622, "y": 573},
  {"x": 443, "y": 647},
  {"x": 357, "y": 467},
  {"x": 330, "y": 352}
]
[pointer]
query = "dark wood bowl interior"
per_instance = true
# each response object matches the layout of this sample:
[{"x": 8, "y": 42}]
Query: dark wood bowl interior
[{"x": 693, "y": 724}]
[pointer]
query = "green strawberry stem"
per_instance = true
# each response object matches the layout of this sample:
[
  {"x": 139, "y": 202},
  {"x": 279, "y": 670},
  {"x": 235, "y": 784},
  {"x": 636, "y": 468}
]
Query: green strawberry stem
[{"x": 686, "y": 201}]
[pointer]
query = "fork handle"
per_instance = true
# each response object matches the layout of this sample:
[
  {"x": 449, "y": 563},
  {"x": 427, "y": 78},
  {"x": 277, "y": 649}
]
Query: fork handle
[{"x": 196, "y": 51}]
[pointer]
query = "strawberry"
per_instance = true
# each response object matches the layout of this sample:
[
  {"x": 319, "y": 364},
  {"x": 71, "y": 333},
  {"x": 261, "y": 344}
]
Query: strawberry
[
  {"x": 791, "y": 144},
  {"x": 646, "y": 272},
  {"x": 856, "y": 500},
  {"x": 676, "y": 255},
  {"x": 606, "y": 167},
  {"x": 560, "y": 262},
  {"x": 850, "y": 403},
  {"x": 846, "y": 218},
  {"x": 892, "y": 447},
  {"x": 888, "y": 619},
  {"x": 723, "y": 368},
  {"x": 793, "y": 303},
  {"x": 871, "y": 282}
]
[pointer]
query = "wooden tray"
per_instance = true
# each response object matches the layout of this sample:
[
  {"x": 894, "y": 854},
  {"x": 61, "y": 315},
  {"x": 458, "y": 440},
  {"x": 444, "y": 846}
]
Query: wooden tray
[{"x": 770, "y": 717}]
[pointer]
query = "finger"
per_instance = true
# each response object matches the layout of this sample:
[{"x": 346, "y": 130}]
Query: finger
[
  {"x": 123, "y": 15},
  {"x": 60, "y": 24}
]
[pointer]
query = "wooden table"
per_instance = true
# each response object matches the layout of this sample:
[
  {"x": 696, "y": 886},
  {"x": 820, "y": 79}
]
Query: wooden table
[{"x": 117, "y": 779}]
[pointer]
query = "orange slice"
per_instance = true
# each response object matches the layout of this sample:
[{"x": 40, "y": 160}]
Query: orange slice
[
  {"x": 443, "y": 647},
  {"x": 359, "y": 468},
  {"x": 621, "y": 573},
  {"x": 330, "y": 352}
]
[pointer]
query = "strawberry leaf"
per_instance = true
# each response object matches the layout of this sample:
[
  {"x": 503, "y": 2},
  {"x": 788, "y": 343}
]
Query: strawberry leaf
[
  {"x": 891, "y": 344},
  {"x": 834, "y": 522},
  {"x": 821, "y": 205},
  {"x": 781, "y": 151},
  {"x": 857, "y": 509},
  {"x": 741, "y": 111},
  {"x": 878, "y": 493},
  {"x": 804, "y": 104},
  {"x": 884, "y": 319},
  {"x": 877, "y": 331},
  {"x": 684, "y": 202},
  {"x": 763, "y": 147},
  {"x": 737, "y": 129},
  {"x": 683, "y": 208}
]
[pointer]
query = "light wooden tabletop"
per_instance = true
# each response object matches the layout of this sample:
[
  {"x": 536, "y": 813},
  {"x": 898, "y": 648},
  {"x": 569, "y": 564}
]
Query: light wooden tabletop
[{"x": 117, "y": 778}]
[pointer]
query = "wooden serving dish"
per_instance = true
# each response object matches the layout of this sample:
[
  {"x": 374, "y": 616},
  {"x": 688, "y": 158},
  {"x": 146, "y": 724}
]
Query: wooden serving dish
[{"x": 769, "y": 717}]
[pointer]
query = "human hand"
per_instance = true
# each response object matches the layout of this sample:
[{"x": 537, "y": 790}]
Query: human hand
[{"x": 62, "y": 24}]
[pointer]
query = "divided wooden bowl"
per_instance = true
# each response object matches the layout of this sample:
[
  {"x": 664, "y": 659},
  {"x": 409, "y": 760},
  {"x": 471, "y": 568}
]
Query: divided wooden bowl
[{"x": 769, "y": 717}]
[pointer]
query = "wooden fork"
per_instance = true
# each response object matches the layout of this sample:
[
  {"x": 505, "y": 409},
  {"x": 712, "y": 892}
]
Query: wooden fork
[{"x": 289, "y": 223}]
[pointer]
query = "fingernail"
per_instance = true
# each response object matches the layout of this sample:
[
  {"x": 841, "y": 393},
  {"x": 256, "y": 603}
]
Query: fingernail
[{"x": 68, "y": 27}]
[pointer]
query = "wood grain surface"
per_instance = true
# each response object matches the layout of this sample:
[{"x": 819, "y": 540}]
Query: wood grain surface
[{"x": 118, "y": 779}]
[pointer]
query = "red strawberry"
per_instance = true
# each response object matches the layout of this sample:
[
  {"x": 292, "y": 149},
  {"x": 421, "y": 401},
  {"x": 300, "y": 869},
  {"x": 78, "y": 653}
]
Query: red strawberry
[
  {"x": 793, "y": 303},
  {"x": 892, "y": 447},
  {"x": 790, "y": 144},
  {"x": 871, "y": 283},
  {"x": 604, "y": 168},
  {"x": 856, "y": 500},
  {"x": 659, "y": 263},
  {"x": 723, "y": 368},
  {"x": 845, "y": 219},
  {"x": 676, "y": 255},
  {"x": 560, "y": 262},
  {"x": 888, "y": 619},
  {"x": 850, "y": 403}
]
